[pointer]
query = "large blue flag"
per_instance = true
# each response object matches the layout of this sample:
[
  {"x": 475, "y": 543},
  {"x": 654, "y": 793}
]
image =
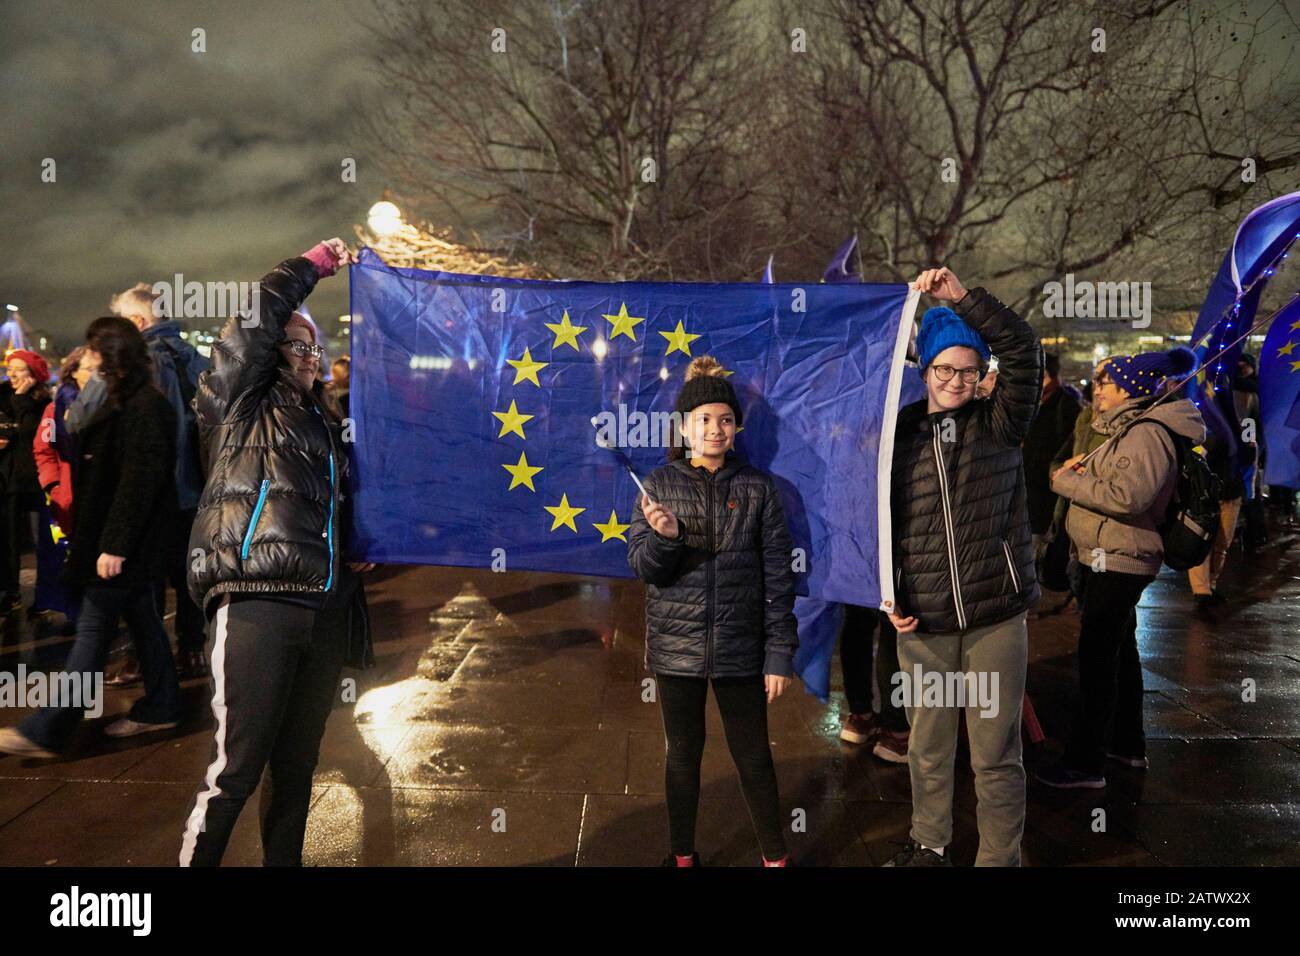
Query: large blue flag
[
  {"x": 1279, "y": 397},
  {"x": 474, "y": 399},
  {"x": 1230, "y": 305}
]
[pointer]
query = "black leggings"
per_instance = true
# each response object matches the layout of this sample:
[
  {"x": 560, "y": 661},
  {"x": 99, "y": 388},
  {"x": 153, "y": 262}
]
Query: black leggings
[
  {"x": 1109, "y": 711},
  {"x": 742, "y": 701}
]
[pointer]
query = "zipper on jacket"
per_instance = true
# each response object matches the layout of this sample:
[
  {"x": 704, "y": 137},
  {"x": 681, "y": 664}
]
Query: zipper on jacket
[
  {"x": 1011, "y": 566},
  {"x": 252, "y": 522},
  {"x": 708, "y": 603},
  {"x": 329, "y": 525},
  {"x": 948, "y": 533}
]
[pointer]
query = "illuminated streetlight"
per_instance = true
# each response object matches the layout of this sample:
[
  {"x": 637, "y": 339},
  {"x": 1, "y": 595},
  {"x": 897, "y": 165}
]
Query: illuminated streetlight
[{"x": 385, "y": 219}]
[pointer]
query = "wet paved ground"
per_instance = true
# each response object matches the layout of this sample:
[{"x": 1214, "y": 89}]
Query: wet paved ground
[{"x": 505, "y": 725}]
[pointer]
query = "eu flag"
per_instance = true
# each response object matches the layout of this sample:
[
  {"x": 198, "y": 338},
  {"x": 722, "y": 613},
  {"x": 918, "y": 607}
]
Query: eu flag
[
  {"x": 1279, "y": 397},
  {"x": 474, "y": 399}
]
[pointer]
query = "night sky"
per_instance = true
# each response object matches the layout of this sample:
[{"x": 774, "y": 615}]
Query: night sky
[{"x": 216, "y": 165}]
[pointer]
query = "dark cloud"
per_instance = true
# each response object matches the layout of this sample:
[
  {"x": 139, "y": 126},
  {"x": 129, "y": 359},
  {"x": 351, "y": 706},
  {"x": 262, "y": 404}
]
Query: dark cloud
[{"x": 215, "y": 165}]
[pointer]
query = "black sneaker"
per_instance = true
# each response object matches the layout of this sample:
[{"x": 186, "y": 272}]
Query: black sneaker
[
  {"x": 671, "y": 860},
  {"x": 917, "y": 855},
  {"x": 1061, "y": 777}
]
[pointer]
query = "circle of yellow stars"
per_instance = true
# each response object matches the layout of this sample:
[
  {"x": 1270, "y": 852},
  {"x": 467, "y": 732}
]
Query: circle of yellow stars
[
  {"x": 513, "y": 420},
  {"x": 1290, "y": 345}
]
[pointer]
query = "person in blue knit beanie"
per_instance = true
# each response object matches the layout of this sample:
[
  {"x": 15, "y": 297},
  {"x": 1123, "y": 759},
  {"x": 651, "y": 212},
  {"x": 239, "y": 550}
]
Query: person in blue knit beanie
[
  {"x": 1118, "y": 501},
  {"x": 963, "y": 557}
]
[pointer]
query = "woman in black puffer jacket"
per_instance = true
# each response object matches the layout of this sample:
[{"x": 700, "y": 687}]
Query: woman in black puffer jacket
[
  {"x": 269, "y": 564},
  {"x": 713, "y": 548}
]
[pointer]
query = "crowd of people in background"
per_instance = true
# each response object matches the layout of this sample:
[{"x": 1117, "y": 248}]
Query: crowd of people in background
[{"x": 49, "y": 425}]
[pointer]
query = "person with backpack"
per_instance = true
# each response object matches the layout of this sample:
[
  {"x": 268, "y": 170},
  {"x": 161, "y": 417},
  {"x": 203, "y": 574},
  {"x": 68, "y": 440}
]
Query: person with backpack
[
  {"x": 177, "y": 366},
  {"x": 1119, "y": 498}
]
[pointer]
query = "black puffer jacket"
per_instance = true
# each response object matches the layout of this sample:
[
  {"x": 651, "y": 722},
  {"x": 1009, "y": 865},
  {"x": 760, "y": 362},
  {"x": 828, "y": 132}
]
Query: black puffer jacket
[
  {"x": 719, "y": 596},
  {"x": 963, "y": 555},
  {"x": 124, "y": 490},
  {"x": 270, "y": 518}
]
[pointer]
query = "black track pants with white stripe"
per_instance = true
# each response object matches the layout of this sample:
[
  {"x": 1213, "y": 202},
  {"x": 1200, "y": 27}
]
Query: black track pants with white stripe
[{"x": 275, "y": 672}]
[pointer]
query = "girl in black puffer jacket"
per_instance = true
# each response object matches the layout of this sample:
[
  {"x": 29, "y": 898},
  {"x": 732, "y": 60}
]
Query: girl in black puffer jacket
[
  {"x": 269, "y": 564},
  {"x": 712, "y": 546}
]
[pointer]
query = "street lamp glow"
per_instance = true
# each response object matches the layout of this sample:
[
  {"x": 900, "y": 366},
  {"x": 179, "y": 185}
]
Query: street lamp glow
[{"x": 384, "y": 218}]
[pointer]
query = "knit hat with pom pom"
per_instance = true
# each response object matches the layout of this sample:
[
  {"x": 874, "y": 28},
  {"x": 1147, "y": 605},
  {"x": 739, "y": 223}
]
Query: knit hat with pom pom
[
  {"x": 1141, "y": 375},
  {"x": 706, "y": 385}
]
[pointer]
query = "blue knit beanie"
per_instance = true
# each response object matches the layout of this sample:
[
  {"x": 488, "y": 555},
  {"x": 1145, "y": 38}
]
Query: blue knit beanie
[
  {"x": 1140, "y": 375},
  {"x": 942, "y": 328}
]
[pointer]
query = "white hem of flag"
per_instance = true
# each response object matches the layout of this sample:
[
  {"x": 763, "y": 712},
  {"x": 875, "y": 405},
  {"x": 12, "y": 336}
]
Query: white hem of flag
[{"x": 885, "y": 454}]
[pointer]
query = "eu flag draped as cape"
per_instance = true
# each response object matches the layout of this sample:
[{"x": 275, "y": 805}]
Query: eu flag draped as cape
[{"x": 474, "y": 399}]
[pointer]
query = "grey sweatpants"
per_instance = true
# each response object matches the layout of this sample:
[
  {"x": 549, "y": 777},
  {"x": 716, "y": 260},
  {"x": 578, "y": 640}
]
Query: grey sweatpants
[{"x": 998, "y": 652}]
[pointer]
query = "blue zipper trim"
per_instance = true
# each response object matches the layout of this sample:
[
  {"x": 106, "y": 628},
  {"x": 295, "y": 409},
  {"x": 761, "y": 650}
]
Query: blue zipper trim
[
  {"x": 329, "y": 530},
  {"x": 252, "y": 522}
]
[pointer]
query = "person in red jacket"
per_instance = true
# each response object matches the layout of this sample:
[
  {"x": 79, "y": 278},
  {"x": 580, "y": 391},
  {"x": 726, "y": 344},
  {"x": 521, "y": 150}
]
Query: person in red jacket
[
  {"x": 50, "y": 449},
  {"x": 53, "y": 452}
]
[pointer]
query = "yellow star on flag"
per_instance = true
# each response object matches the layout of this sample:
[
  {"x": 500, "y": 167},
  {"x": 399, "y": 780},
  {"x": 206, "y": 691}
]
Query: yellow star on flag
[
  {"x": 623, "y": 323},
  {"x": 566, "y": 333},
  {"x": 526, "y": 368},
  {"x": 678, "y": 340},
  {"x": 564, "y": 514},
  {"x": 1286, "y": 349},
  {"x": 512, "y": 421},
  {"x": 611, "y": 528},
  {"x": 521, "y": 473},
  {"x": 1294, "y": 325},
  {"x": 1295, "y": 366}
]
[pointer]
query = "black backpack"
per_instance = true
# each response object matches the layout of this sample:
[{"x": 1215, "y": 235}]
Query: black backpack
[{"x": 1192, "y": 519}]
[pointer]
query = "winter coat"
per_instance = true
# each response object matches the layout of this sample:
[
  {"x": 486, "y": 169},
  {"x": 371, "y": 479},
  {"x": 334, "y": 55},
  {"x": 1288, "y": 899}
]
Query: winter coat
[
  {"x": 963, "y": 553},
  {"x": 20, "y": 417},
  {"x": 719, "y": 596},
  {"x": 124, "y": 496},
  {"x": 177, "y": 366},
  {"x": 1053, "y": 425},
  {"x": 270, "y": 520},
  {"x": 1119, "y": 502},
  {"x": 54, "y": 473}
]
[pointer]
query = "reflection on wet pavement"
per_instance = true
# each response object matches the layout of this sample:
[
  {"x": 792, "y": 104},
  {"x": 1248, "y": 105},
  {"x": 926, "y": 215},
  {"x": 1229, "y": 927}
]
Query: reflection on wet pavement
[{"x": 505, "y": 725}]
